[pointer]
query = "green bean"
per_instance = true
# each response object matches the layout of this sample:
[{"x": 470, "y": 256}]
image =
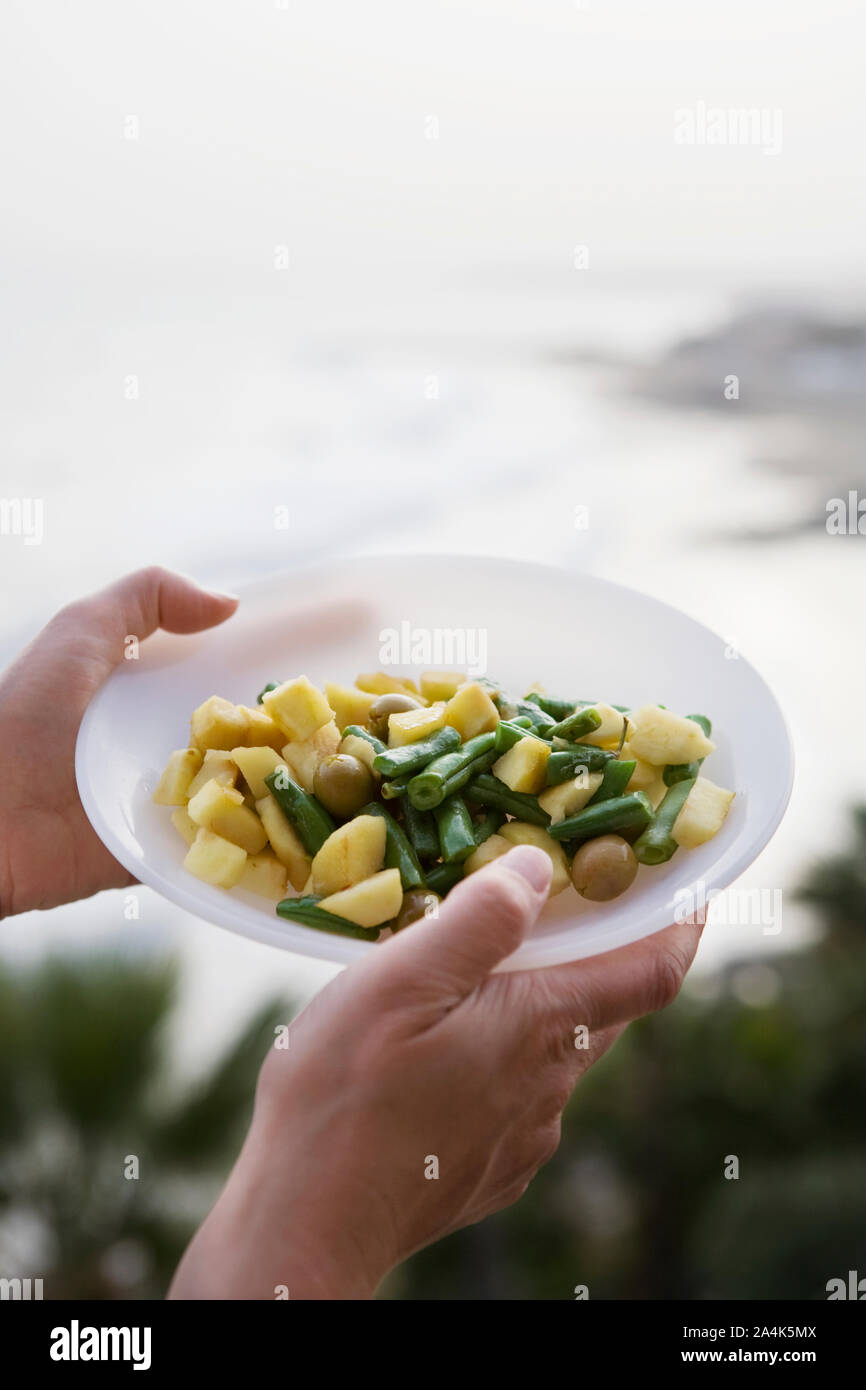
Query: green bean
[
  {"x": 541, "y": 722},
  {"x": 307, "y": 816},
  {"x": 454, "y": 823},
  {"x": 309, "y": 914},
  {"x": 556, "y": 708},
  {"x": 488, "y": 825},
  {"x": 562, "y": 764},
  {"x": 614, "y": 780},
  {"x": 656, "y": 844},
  {"x": 421, "y": 830},
  {"x": 487, "y": 790},
  {"x": 613, "y": 817},
  {"x": 411, "y": 757},
  {"x": 583, "y": 721},
  {"x": 271, "y": 685},
  {"x": 441, "y": 777},
  {"x": 442, "y": 878},
  {"x": 458, "y": 780},
  {"x": 680, "y": 772},
  {"x": 359, "y": 731},
  {"x": 399, "y": 854},
  {"x": 391, "y": 790},
  {"x": 510, "y": 731}
]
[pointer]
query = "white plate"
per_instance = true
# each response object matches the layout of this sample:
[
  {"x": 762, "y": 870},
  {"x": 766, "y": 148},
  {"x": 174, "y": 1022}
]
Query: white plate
[{"x": 580, "y": 636}]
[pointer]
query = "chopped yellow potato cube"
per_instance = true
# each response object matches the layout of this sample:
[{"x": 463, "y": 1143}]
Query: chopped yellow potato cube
[
  {"x": 298, "y": 707},
  {"x": 350, "y": 705},
  {"x": 304, "y": 757},
  {"x": 520, "y": 833},
  {"x": 609, "y": 732},
  {"x": 413, "y": 724},
  {"x": 491, "y": 849},
  {"x": 264, "y": 875},
  {"x": 222, "y": 810},
  {"x": 568, "y": 798},
  {"x": 703, "y": 814},
  {"x": 173, "y": 786},
  {"x": 215, "y": 860},
  {"x": 441, "y": 685},
  {"x": 368, "y": 903},
  {"x": 218, "y": 766},
  {"x": 359, "y": 748},
  {"x": 471, "y": 711},
  {"x": 379, "y": 683},
  {"x": 524, "y": 767},
  {"x": 660, "y": 737},
  {"x": 262, "y": 732},
  {"x": 184, "y": 824},
  {"x": 285, "y": 842},
  {"x": 217, "y": 724},
  {"x": 255, "y": 765},
  {"x": 353, "y": 852}
]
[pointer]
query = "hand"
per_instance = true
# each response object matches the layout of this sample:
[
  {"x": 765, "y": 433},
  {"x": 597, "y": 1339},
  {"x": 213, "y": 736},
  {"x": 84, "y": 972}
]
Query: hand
[
  {"x": 418, "y": 1054},
  {"x": 49, "y": 854}
]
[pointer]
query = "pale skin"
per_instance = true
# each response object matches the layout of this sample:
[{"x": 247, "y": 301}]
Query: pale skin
[{"x": 417, "y": 1060}]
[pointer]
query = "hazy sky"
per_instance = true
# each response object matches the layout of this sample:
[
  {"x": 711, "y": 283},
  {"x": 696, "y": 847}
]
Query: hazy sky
[{"x": 307, "y": 125}]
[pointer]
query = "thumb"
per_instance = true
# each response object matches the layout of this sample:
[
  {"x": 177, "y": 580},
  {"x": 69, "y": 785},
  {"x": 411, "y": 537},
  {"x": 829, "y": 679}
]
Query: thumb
[
  {"x": 484, "y": 920},
  {"x": 136, "y": 606}
]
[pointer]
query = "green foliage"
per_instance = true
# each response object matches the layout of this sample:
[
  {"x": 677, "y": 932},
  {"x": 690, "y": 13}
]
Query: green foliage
[{"x": 86, "y": 1080}]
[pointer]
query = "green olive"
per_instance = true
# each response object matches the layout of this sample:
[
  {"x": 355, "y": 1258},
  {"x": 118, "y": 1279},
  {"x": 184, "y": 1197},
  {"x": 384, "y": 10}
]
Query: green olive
[
  {"x": 603, "y": 868},
  {"x": 386, "y": 705},
  {"x": 416, "y": 904},
  {"x": 343, "y": 784}
]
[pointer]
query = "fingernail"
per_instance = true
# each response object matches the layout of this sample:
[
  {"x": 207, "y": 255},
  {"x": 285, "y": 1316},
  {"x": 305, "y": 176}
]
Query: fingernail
[
  {"x": 532, "y": 864},
  {"x": 224, "y": 593}
]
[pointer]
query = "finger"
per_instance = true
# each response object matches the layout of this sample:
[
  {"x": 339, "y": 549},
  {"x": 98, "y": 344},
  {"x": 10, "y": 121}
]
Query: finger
[
  {"x": 136, "y": 606},
  {"x": 443, "y": 958},
  {"x": 620, "y": 985}
]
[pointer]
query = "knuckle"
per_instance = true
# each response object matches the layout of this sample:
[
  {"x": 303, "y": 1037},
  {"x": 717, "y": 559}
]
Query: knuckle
[{"x": 667, "y": 977}]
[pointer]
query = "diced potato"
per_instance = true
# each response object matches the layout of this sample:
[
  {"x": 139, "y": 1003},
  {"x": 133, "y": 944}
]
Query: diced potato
[
  {"x": 379, "y": 683},
  {"x": 660, "y": 737},
  {"x": 471, "y": 711},
  {"x": 350, "y": 705},
  {"x": 222, "y": 810},
  {"x": 304, "y": 757},
  {"x": 535, "y": 689},
  {"x": 285, "y": 842},
  {"x": 218, "y": 766},
  {"x": 645, "y": 774},
  {"x": 568, "y": 798},
  {"x": 441, "y": 685},
  {"x": 350, "y": 854},
  {"x": 217, "y": 724},
  {"x": 520, "y": 833},
  {"x": 492, "y": 848},
  {"x": 256, "y": 764},
  {"x": 262, "y": 732},
  {"x": 215, "y": 860},
  {"x": 524, "y": 767},
  {"x": 413, "y": 724},
  {"x": 265, "y": 875},
  {"x": 702, "y": 815},
  {"x": 298, "y": 707},
  {"x": 359, "y": 748},
  {"x": 173, "y": 786},
  {"x": 609, "y": 731},
  {"x": 369, "y": 903},
  {"x": 184, "y": 824}
]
